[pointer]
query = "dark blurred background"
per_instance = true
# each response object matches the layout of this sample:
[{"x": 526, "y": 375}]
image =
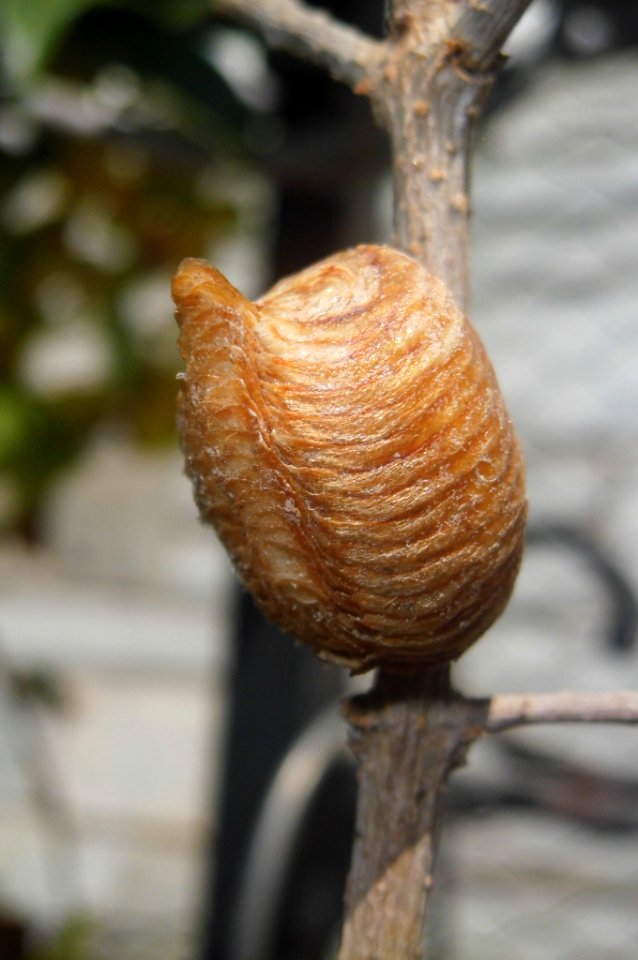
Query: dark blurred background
[{"x": 145, "y": 706}]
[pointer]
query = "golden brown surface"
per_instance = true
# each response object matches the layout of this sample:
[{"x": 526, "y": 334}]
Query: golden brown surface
[{"x": 347, "y": 438}]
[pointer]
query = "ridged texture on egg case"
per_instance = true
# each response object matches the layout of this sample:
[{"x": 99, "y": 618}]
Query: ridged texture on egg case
[{"x": 348, "y": 440}]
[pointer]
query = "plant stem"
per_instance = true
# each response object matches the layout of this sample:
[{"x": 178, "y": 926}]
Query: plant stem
[
  {"x": 345, "y": 52},
  {"x": 411, "y": 732},
  {"x": 427, "y": 82},
  {"x": 509, "y": 710},
  {"x": 440, "y": 67},
  {"x": 407, "y": 735}
]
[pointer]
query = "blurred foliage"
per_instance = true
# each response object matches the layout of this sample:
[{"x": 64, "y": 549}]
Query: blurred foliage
[
  {"x": 36, "y": 688},
  {"x": 33, "y": 29},
  {"x": 108, "y": 158},
  {"x": 74, "y": 941}
]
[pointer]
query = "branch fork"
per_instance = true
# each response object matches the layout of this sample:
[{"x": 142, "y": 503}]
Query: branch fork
[{"x": 427, "y": 82}]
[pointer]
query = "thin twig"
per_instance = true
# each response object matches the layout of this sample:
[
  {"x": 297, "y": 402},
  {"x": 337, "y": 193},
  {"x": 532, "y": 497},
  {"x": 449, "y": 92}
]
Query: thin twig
[
  {"x": 516, "y": 710},
  {"x": 346, "y": 53},
  {"x": 483, "y": 28},
  {"x": 427, "y": 82}
]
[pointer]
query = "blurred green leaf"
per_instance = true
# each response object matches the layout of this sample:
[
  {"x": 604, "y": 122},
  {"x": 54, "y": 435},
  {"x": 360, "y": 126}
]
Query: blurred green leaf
[
  {"x": 37, "y": 687},
  {"x": 153, "y": 187},
  {"x": 16, "y": 420},
  {"x": 178, "y": 13},
  {"x": 32, "y": 29},
  {"x": 73, "y": 942}
]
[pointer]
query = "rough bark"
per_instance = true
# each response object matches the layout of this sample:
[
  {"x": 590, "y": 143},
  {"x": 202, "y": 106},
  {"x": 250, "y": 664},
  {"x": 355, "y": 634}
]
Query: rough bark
[
  {"x": 407, "y": 736},
  {"x": 427, "y": 83},
  {"x": 408, "y": 742}
]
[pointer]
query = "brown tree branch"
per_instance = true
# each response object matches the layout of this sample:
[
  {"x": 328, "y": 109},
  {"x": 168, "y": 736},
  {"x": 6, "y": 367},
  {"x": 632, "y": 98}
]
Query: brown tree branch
[
  {"x": 507, "y": 711},
  {"x": 428, "y": 82},
  {"x": 345, "y": 52},
  {"x": 407, "y": 734},
  {"x": 429, "y": 93},
  {"x": 482, "y": 29}
]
